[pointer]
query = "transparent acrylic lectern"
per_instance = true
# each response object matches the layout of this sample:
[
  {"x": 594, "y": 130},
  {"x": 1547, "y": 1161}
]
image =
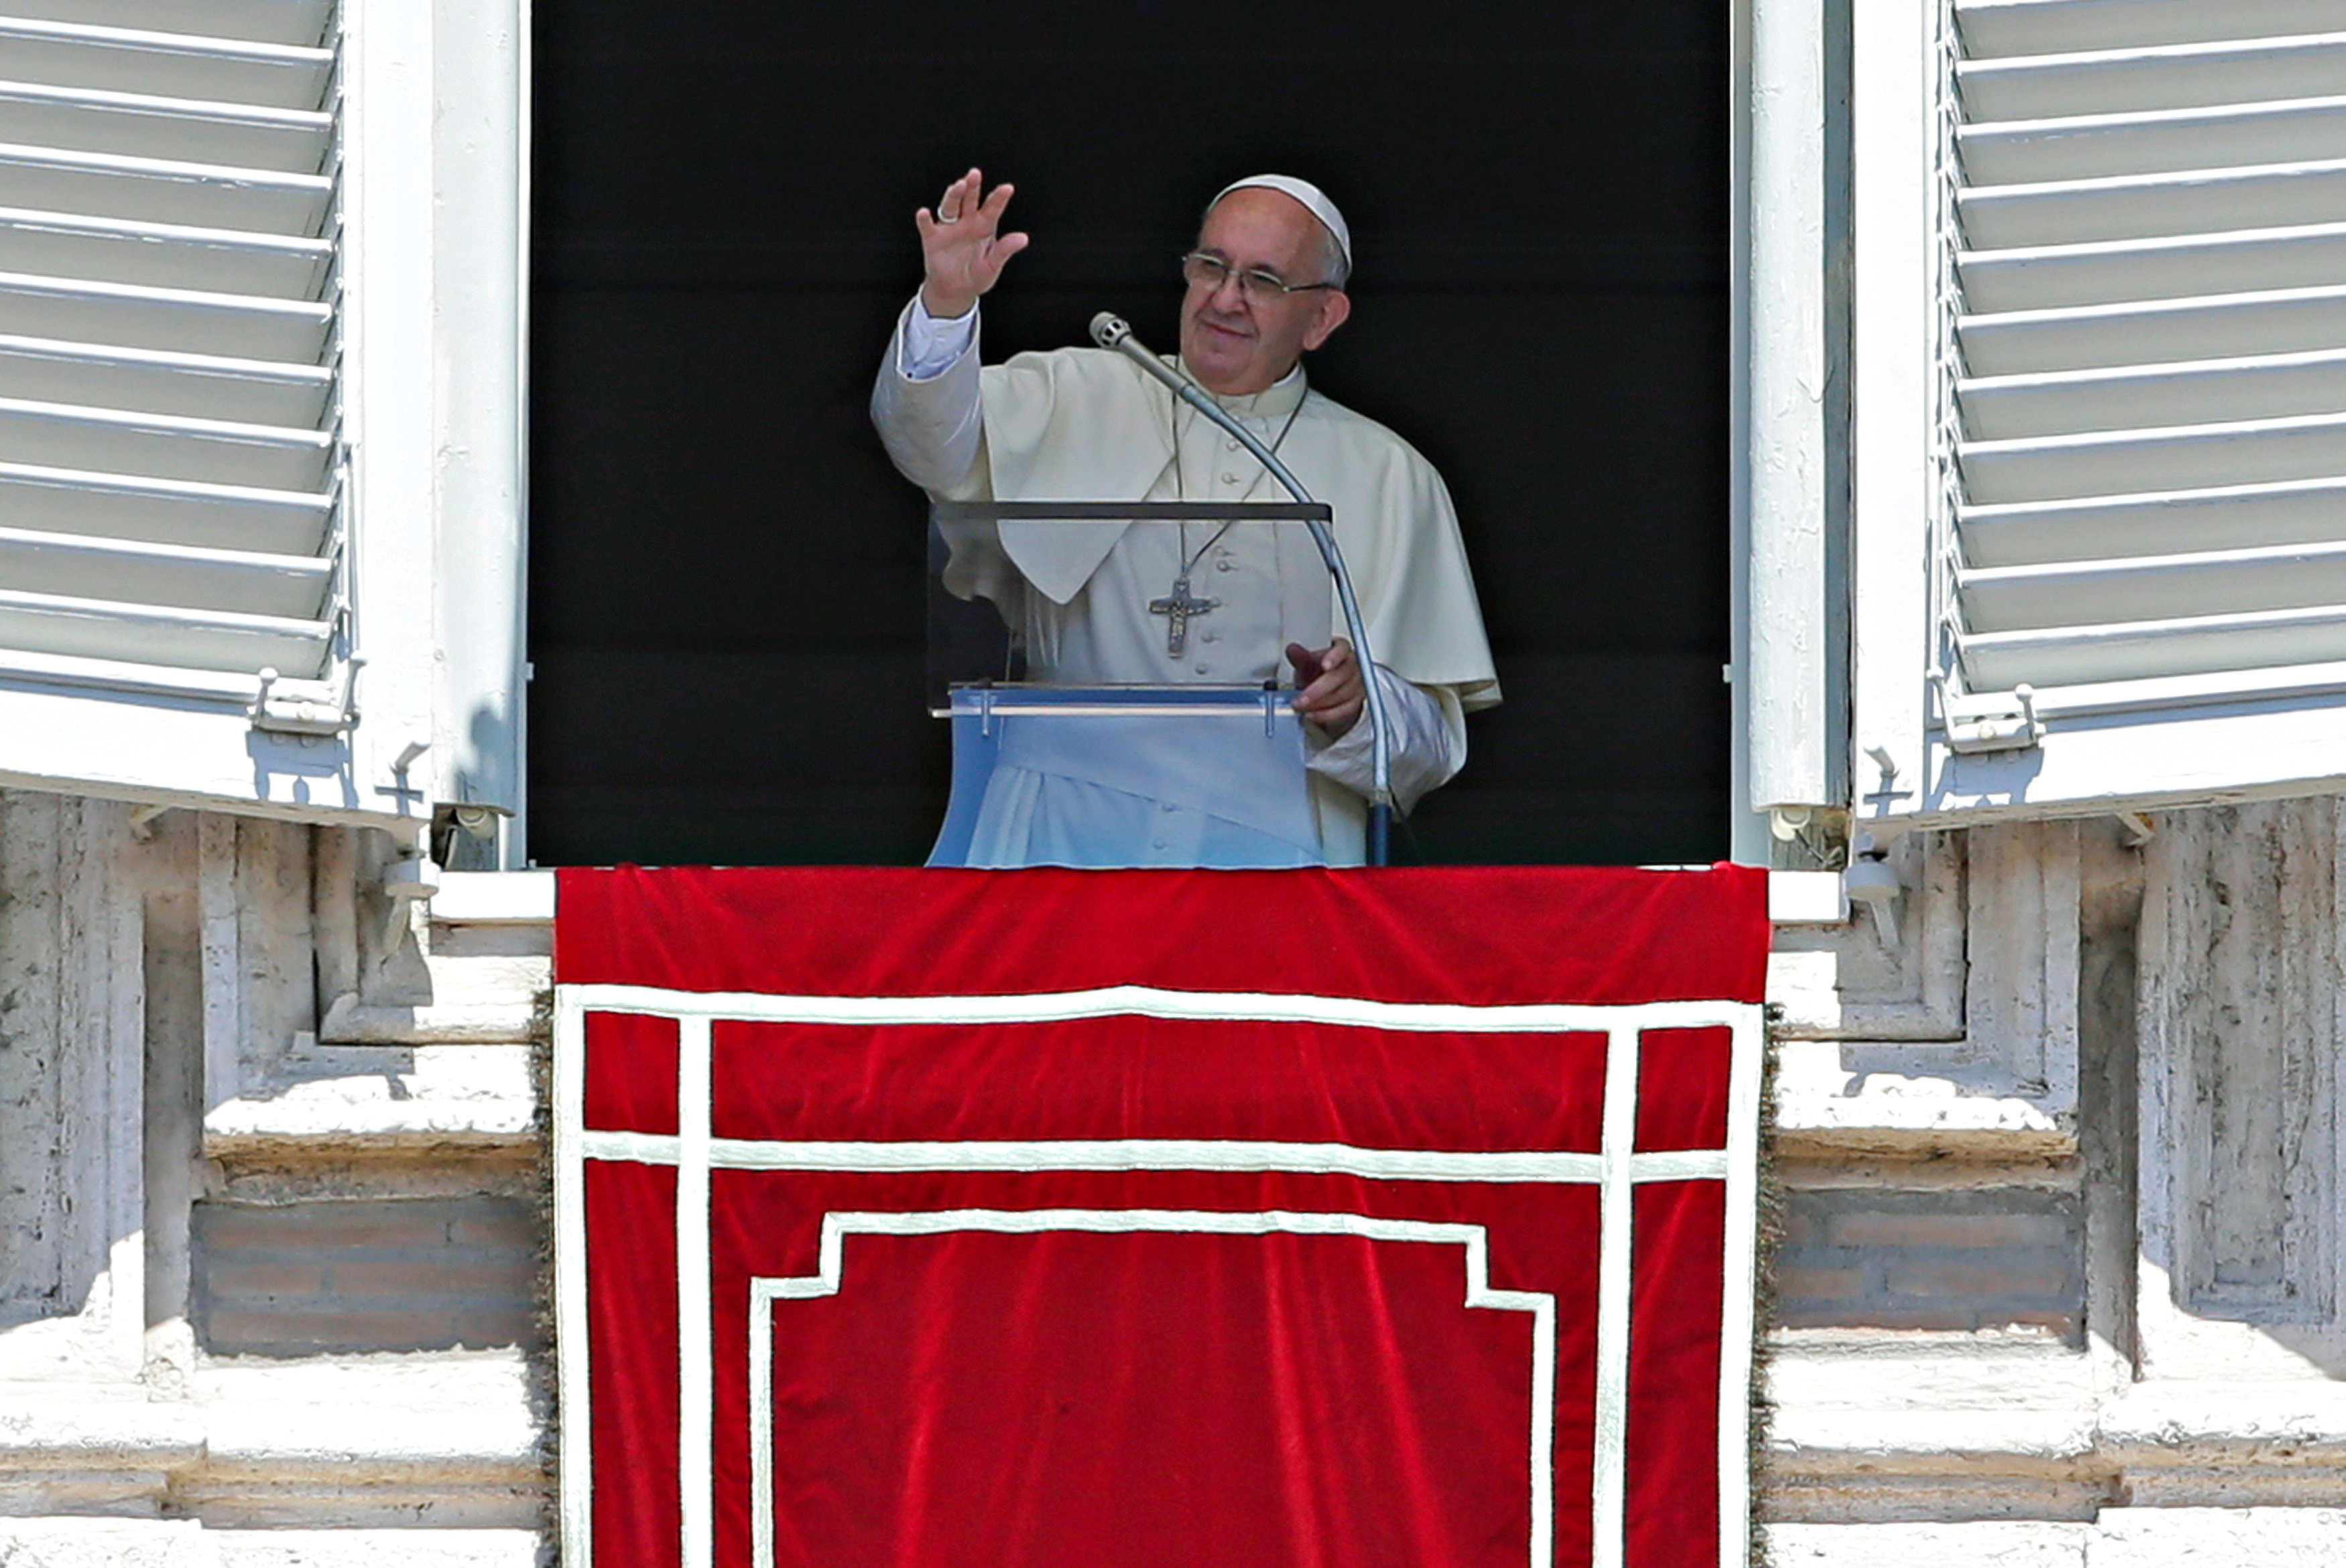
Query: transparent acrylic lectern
[{"x": 1116, "y": 678}]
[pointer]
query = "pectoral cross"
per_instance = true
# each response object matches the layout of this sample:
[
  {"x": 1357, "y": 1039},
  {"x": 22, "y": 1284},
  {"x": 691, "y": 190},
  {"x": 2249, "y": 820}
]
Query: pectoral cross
[{"x": 1177, "y": 607}]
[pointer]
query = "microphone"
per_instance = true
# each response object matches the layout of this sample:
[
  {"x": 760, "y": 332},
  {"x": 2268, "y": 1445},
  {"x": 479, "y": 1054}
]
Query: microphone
[{"x": 1111, "y": 332}]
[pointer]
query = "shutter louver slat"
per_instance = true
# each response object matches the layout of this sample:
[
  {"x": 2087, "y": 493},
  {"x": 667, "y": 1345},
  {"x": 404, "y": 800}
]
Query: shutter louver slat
[
  {"x": 243, "y": 582},
  {"x": 2128, "y": 397},
  {"x": 165, "y": 510},
  {"x": 264, "y": 457},
  {"x": 2096, "y": 146},
  {"x": 1993, "y": 28},
  {"x": 166, "y": 64},
  {"x": 285, "y": 140},
  {"x": 2198, "y": 644},
  {"x": 167, "y": 256},
  {"x": 2194, "y": 457},
  {"x": 2178, "y": 77},
  {"x": 158, "y": 190},
  {"x": 185, "y": 639},
  {"x": 2151, "y": 206},
  {"x": 2150, "y": 247},
  {"x": 2156, "y": 587},
  {"x": 2140, "y": 271},
  {"x": 246, "y": 392},
  {"x": 2276, "y": 322},
  {"x": 169, "y": 422},
  {"x": 297, "y": 22},
  {"x": 2171, "y": 523},
  {"x": 173, "y": 320}
]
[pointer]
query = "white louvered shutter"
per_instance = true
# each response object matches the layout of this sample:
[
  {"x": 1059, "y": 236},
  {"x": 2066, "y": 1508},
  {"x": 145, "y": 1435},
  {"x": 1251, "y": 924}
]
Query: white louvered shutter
[
  {"x": 194, "y": 602},
  {"x": 2102, "y": 385}
]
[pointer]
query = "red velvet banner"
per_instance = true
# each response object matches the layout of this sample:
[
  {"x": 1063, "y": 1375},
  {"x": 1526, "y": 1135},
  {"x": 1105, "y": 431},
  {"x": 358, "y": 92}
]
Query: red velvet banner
[{"x": 1258, "y": 1219}]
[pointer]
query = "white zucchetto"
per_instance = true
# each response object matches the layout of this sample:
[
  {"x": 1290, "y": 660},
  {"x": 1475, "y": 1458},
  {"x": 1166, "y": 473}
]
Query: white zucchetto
[{"x": 1314, "y": 198}]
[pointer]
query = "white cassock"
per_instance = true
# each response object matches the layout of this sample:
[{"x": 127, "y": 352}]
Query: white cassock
[{"x": 1086, "y": 425}]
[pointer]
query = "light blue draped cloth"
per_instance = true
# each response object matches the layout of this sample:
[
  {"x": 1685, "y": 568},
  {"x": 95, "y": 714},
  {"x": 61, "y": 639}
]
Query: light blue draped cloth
[{"x": 1186, "y": 777}]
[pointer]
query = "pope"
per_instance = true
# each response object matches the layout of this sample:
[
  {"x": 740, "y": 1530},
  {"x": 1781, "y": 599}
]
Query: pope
[{"x": 1090, "y": 605}]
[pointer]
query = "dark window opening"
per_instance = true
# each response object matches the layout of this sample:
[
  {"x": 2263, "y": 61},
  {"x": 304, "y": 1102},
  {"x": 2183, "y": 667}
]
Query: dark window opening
[{"x": 726, "y": 577}]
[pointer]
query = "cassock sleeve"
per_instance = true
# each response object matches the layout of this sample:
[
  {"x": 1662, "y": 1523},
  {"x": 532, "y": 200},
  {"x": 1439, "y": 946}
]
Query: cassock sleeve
[
  {"x": 932, "y": 425},
  {"x": 1429, "y": 743},
  {"x": 1417, "y": 592},
  {"x": 931, "y": 420}
]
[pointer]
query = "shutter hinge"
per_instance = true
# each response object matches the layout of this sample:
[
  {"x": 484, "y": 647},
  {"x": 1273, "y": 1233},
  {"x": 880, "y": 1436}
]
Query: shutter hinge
[
  {"x": 1990, "y": 721},
  {"x": 308, "y": 714}
]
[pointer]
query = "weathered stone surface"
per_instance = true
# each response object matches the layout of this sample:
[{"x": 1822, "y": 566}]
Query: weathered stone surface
[
  {"x": 2242, "y": 1047},
  {"x": 307, "y": 1278},
  {"x": 2199, "y": 1537},
  {"x": 2243, "y": 989},
  {"x": 1962, "y": 1258},
  {"x": 1960, "y": 1036},
  {"x": 105, "y": 1544},
  {"x": 1968, "y": 1388},
  {"x": 372, "y": 1548},
  {"x": 1978, "y": 1543},
  {"x": 71, "y": 1091},
  {"x": 122, "y": 1543},
  {"x": 31, "y": 1121}
]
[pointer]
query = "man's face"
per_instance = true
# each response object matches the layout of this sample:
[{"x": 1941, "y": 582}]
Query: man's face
[{"x": 1237, "y": 345}]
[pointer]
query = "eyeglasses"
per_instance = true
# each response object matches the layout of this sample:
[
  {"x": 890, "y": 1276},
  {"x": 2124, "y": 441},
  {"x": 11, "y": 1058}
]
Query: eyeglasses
[{"x": 1207, "y": 271}]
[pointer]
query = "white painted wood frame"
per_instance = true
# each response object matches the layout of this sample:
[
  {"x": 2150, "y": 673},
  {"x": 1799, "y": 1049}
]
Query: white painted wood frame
[
  {"x": 263, "y": 411},
  {"x": 2099, "y": 422}
]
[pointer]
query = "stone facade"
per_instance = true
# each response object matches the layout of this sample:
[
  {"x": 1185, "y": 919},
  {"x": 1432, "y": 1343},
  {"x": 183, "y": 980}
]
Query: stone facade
[
  {"x": 2058, "y": 1282},
  {"x": 271, "y": 1244},
  {"x": 2059, "y": 1278}
]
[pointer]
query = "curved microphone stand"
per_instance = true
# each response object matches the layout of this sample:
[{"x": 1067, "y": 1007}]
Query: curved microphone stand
[{"x": 1109, "y": 331}]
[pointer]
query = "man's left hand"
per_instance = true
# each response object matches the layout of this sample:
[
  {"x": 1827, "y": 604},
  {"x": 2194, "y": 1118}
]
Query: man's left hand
[{"x": 1333, "y": 691}]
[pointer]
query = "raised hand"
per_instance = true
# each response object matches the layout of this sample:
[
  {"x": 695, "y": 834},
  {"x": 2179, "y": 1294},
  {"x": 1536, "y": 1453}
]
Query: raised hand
[{"x": 962, "y": 247}]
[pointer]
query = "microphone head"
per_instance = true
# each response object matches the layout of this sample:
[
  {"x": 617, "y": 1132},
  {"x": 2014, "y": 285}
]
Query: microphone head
[{"x": 1108, "y": 330}]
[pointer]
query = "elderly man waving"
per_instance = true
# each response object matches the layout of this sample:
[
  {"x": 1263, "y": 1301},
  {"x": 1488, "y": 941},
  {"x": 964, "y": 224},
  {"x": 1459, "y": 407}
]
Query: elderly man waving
[{"x": 1265, "y": 286}]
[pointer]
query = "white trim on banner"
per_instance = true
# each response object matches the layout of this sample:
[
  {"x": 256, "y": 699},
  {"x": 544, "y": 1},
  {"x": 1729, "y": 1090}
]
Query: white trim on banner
[
  {"x": 696, "y": 1435},
  {"x": 1616, "y": 1170},
  {"x": 1739, "y": 1287},
  {"x": 837, "y": 1227},
  {"x": 574, "y": 1453},
  {"x": 1616, "y": 1227},
  {"x": 1155, "y": 1002},
  {"x": 1156, "y": 1155}
]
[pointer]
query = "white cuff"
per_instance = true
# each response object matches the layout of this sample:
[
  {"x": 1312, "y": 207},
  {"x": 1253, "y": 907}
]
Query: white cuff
[
  {"x": 1427, "y": 745},
  {"x": 931, "y": 346}
]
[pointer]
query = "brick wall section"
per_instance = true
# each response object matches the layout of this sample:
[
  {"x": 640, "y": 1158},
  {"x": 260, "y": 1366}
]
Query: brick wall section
[
  {"x": 1964, "y": 1260},
  {"x": 411, "y": 1274}
]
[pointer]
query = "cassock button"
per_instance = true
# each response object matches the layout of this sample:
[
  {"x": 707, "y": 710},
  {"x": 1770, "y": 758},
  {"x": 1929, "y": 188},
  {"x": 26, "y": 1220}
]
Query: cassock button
[
  {"x": 1232, "y": 444},
  {"x": 1229, "y": 479},
  {"x": 1201, "y": 667}
]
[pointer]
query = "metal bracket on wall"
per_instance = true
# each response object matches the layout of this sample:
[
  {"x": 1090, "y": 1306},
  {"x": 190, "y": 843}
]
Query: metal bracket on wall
[
  {"x": 308, "y": 712},
  {"x": 1990, "y": 721}
]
